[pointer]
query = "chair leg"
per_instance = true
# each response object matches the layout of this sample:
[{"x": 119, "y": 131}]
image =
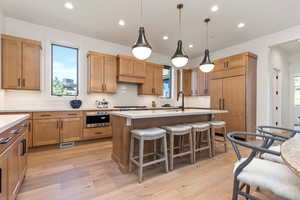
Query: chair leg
[
  {"x": 195, "y": 141},
  {"x": 225, "y": 143},
  {"x": 209, "y": 142},
  {"x": 166, "y": 153},
  {"x": 248, "y": 190},
  {"x": 236, "y": 188},
  {"x": 131, "y": 153},
  {"x": 141, "y": 159},
  {"x": 171, "y": 151},
  {"x": 191, "y": 147}
]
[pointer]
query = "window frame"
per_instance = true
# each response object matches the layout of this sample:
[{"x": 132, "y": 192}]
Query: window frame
[
  {"x": 294, "y": 90},
  {"x": 171, "y": 81},
  {"x": 51, "y": 71}
]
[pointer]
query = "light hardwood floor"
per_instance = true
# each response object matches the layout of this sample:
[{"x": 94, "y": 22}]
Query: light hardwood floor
[{"x": 86, "y": 172}]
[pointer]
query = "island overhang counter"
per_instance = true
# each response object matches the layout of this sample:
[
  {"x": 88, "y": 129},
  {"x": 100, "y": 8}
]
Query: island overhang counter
[{"x": 125, "y": 121}]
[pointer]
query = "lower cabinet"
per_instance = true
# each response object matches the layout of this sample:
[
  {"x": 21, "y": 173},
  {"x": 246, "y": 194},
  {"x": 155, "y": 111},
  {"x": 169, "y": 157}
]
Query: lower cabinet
[
  {"x": 70, "y": 129},
  {"x": 3, "y": 177},
  {"x": 45, "y": 131},
  {"x": 13, "y": 165}
]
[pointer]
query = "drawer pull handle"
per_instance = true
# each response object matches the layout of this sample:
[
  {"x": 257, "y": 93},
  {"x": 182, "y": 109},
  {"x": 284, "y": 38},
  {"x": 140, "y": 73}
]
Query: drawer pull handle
[
  {"x": 72, "y": 114},
  {"x": 98, "y": 133},
  {"x": 45, "y": 115}
]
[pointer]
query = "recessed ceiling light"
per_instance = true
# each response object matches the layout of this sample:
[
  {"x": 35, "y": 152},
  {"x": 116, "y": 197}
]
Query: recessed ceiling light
[
  {"x": 122, "y": 22},
  {"x": 165, "y": 37},
  {"x": 214, "y": 8},
  {"x": 241, "y": 25},
  {"x": 191, "y": 46},
  {"x": 69, "y": 5}
]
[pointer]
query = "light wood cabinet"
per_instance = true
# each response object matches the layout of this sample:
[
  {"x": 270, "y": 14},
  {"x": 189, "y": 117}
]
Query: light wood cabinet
[
  {"x": 46, "y": 131},
  {"x": 56, "y": 127},
  {"x": 187, "y": 81},
  {"x": 153, "y": 84},
  {"x": 70, "y": 129},
  {"x": 3, "y": 177},
  {"x": 130, "y": 70},
  {"x": 102, "y": 73},
  {"x": 234, "y": 90},
  {"x": 20, "y": 63}
]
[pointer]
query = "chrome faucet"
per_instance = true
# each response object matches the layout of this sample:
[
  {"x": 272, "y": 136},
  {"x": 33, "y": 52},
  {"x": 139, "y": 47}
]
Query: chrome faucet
[{"x": 182, "y": 99}]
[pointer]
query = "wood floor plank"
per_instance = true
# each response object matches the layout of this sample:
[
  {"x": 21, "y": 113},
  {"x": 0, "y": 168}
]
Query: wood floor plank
[{"x": 86, "y": 172}]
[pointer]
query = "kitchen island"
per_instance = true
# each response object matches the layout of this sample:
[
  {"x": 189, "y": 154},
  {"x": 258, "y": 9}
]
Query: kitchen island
[{"x": 123, "y": 122}]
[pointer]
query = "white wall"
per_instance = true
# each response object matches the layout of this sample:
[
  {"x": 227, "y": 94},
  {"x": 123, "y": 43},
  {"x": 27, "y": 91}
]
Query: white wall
[
  {"x": 280, "y": 66},
  {"x": 261, "y": 47}
]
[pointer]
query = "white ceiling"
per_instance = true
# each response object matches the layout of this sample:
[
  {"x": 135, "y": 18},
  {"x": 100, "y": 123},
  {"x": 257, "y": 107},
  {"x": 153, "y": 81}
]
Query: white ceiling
[{"x": 99, "y": 19}]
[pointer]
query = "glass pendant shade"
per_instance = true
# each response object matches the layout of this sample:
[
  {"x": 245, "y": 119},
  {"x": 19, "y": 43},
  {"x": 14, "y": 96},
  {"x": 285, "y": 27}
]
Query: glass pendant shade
[
  {"x": 141, "y": 49},
  {"x": 179, "y": 59},
  {"x": 206, "y": 64}
]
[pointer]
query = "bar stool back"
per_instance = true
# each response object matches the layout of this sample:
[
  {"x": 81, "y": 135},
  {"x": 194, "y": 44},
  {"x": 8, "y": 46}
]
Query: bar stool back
[
  {"x": 218, "y": 125},
  {"x": 143, "y": 135},
  {"x": 179, "y": 130}
]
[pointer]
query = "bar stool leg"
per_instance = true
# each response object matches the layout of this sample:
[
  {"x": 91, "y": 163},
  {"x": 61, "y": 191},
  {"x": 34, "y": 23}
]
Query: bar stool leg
[
  {"x": 155, "y": 149},
  {"x": 171, "y": 151},
  {"x": 131, "y": 153},
  {"x": 191, "y": 147},
  {"x": 225, "y": 143},
  {"x": 141, "y": 159},
  {"x": 195, "y": 141},
  {"x": 209, "y": 142},
  {"x": 166, "y": 153},
  {"x": 213, "y": 141}
]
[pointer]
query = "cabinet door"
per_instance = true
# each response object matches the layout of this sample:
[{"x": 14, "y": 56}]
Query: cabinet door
[
  {"x": 139, "y": 68},
  {"x": 30, "y": 66},
  {"x": 30, "y": 132},
  {"x": 236, "y": 61},
  {"x": 147, "y": 88},
  {"x": 45, "y": 131},
  {"x": 13, "y": 171},
  {"x": 220, "y": 65},
  {"x": 158, "y": 80},
  {"x": 110, "y": 74},
  {"x": 70, "y": 129},
  {"x": 216, "y": 95},
  {"x": 11, "y": 63},
  {"x": 3, "y": 177},
  {"x": 234, "y": 101},
  {"x": 96, "y": 66},
  {"x": 23, "y": 149},
  {"x": 186, "y": 82},
  {"x": 202, "y": 83},
  {"x": 125, "y": 66}
]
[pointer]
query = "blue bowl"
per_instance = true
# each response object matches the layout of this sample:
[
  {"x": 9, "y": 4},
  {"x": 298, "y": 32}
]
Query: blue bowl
[{"x": 75, "y": 104}]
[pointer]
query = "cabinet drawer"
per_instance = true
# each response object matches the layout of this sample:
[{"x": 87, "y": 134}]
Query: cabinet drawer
[
  {"x": 71, "y": 114},
  {"x": 228, "y": 73},
  {"x": 46, "y": 115},
  {"x": 92, "y": 133}
]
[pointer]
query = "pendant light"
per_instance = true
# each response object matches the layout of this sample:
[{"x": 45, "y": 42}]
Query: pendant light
[
  {"x": 141, "y": 49},
  {"x": 179, "y": 59},
  {"x": 206, "y": 64}
]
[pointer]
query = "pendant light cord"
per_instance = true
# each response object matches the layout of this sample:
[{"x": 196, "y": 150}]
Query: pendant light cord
[
  {"x": 141, "y": 13},
  {"x": 180, "y": 32},
  {"x": 206, "y": 35}
]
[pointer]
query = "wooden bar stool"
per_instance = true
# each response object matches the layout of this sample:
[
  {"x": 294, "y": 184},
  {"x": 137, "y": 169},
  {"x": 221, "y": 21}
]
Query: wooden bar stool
[
  {"x": 218, "y": 125},
  {"x": 199, "y": 130},
  {"x": 179, "y": 130},
  {"x": 146, "y": 135}
]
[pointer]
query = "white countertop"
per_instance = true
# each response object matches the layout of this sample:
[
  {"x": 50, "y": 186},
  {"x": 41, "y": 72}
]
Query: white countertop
[
  {"x": 8, "y": 121},
  {"x": 165, "y": 113}
]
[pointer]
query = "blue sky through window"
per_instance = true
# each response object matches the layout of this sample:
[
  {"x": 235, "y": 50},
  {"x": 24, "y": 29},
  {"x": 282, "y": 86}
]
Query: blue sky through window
[{"x": 64, "y": 70}]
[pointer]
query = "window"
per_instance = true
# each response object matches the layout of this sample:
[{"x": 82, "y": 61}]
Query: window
[
  {"x": 64, "y": 81},
  {"x": 297, "y": 90},
  {"x": 167, "y": 78}
]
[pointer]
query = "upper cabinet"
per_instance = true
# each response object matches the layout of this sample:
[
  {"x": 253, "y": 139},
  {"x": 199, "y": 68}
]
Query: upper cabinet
[
  {"x": 131, "y": 70},
  {"x": 195, "y": 82},
  {"x": 153, "y": 84},
  {"x": 20, "y": 63},
  {"x": 102, "y": 73}
]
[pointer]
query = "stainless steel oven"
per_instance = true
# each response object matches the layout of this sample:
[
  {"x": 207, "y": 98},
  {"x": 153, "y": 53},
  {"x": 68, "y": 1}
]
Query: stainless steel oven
[{"x": 97, "y": 119}]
